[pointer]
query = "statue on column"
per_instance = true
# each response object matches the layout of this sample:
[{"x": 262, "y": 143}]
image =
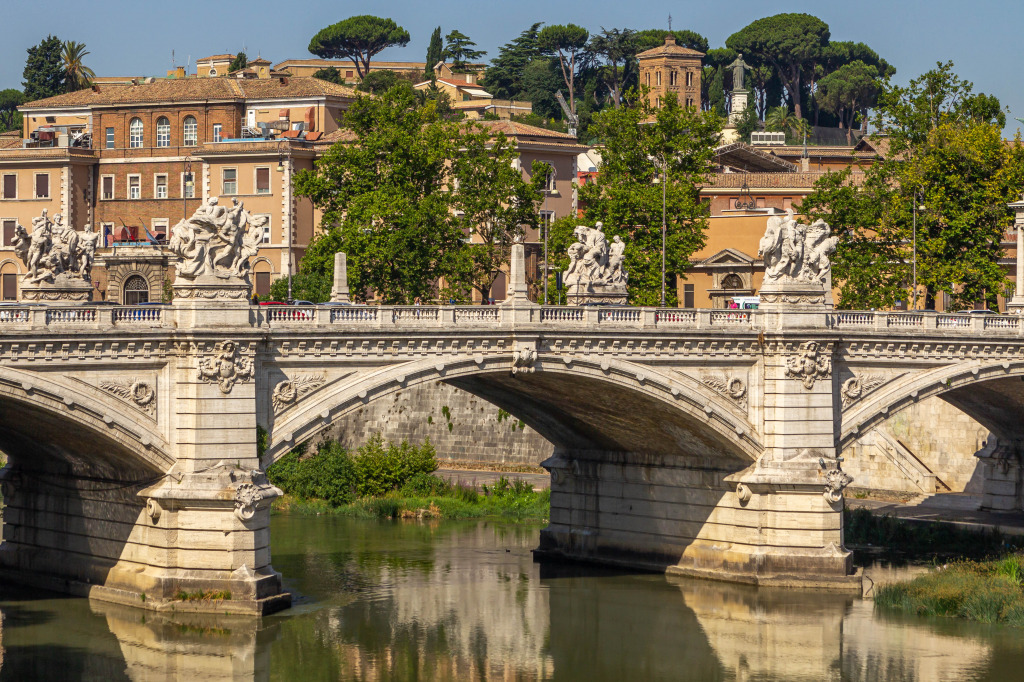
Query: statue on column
[{"x": 739, "y": 67}]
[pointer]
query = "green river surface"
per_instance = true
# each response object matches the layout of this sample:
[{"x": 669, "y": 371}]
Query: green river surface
[{"x": 465, "y": 601}]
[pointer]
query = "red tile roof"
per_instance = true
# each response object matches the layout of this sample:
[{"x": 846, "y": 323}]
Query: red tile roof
[{"x": 517, "y": 129}]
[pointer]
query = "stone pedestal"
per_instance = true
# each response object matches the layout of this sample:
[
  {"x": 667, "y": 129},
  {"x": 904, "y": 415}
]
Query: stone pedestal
[
  {"x": 601, "y": 294},
  {"x": 738, "y": 105},
  {"x": 1016, "y": 304},
  {"x": 339, "y": 293},
  {"x": 211, "y": 301},
  {"x": 64, "y": 289}
]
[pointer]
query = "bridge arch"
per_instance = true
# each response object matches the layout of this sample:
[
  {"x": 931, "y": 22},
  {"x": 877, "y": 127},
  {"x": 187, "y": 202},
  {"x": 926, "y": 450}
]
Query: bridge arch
[
  {"x": 577, "y": 403},
  {"x": 989, "y": 391}
]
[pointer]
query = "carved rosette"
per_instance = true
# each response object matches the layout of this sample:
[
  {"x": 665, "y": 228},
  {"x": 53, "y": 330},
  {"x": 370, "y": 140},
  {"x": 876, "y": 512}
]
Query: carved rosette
[
  {"x": 857, "y": 387},
  {"x": 523, "y": 360},
  {"x": 731, "y": 387},
  {"x": 226, "y": 368},
  {"x": 809, "y": 364},
  {"x": 139, "y": 393},
  {"x": 287, "y": 393}
]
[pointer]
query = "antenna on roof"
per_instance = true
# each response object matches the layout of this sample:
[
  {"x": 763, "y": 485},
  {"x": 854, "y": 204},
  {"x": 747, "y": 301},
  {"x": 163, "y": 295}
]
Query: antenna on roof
[
  {"x": 172, "y": 58},
  {"x": 670, "y": 22}
]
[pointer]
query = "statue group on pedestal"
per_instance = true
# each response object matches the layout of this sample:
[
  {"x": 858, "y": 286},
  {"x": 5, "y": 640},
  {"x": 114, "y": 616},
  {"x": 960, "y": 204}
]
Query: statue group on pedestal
[
  {"x": 55, "y": 250},
  {"x": 794, "y": 252},
  {"x": 217, "y": 241},
  {"x": 593, "y": 261}
]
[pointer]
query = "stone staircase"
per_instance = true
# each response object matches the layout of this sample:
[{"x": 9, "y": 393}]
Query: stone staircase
[{"x": 908, "y": 463}]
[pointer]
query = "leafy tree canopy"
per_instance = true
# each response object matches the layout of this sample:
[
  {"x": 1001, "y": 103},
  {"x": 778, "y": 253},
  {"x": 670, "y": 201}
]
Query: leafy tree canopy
[
  {"x": 10, "y": 100},
  {"x": 239, "y": 62},
  {"x": 568, "y": 42},
  {"x": 789, "y": 42},
  {"x": 641, "y": 141},
  {"x": 44, "y": 69},
  {"x": 847, "y": 90},
  {"x": 505, "y": 77},
  {"x": 331, "y": 75},
  {"x": 459, "y": 48},
  {"x": 358, "y": 38},
  {"x": 76, "y": 74}
]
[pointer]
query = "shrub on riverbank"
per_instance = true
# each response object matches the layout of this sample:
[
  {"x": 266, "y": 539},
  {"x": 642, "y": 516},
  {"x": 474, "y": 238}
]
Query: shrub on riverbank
[
  {"x": 987, "y": 592},
  {"x": 387, "y": 480},
  {"x": 915, "y": 539}
]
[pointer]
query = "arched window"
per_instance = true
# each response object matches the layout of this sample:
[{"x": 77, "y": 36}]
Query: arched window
[
  {"x": 135, "y": 133},
  {"x": 135, "y": 290},
  {"x": 163, "y": 132},
  {"x": 191, "y": 132},
  {"x": 689, "y": 78},
  {"x": 657, "y": 77}
]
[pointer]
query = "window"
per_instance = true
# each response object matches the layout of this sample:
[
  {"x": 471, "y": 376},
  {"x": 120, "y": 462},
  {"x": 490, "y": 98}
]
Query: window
[
  {"x": 547, "y": 217},
  {"x": 163, "y": 132},
  {"x": 213, "y": 71},
  {"x": 549, "y": 180},
  {"x": 787, "y": 202},
  {"x": 263, "y": 181},
  {"x": 42, "y": 186},
  {"x": 349, "y": 74},
  {"x": 647, "y": 79},
  {"x": 9, "y": 188},
  {"x": 135, "y": 133},
  {"x": 160, "y": 186},
  {"x": 687, "y": 295},
  {"x": 134, "y": 187},
  {"x": 671, "y": 77},
  {"x": 190, "y": 132},
  {"x": 110, "y": 138},
  {"x": 216, "y": 132},
  {"x": 160, "y": 226},
  {"x": 107, "y": 187},
  {"x": 229, "y": 184},
  {"x": 689, "y": 78},
  {"x": 188, "y": 185},
  {"x": 135, "y": 290},
  {"x": 759, "y": 202},
  {"x": 265, "y": 237},
  {"x": 9, "y": 225},
  {"x": 10, "y": 286},
  {"x": 658, "y": 77}
]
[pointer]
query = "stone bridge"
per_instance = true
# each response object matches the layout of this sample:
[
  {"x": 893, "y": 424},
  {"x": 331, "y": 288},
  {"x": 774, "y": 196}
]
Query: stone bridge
[{"x": 700, "y": 442}]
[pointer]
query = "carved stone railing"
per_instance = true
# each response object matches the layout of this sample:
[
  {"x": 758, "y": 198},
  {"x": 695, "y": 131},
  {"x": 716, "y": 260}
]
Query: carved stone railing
[
  {"x": 138, "y": 315},
  {"x": 1001, "y": 322},
  {"x": 560, "y": 314},
  {"x": 953, "y": 321},
  {"x": 925, "y": 320}
]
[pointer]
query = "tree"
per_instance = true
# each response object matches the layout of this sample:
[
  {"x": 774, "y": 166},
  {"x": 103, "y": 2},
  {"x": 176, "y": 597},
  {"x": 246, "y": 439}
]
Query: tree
[
  {"x": 781, "y": 119},
  {"x": 435, "y": 53},
  {"x": 642, "y": 142},
  {"x": 331, "y": 75},
  {"x": 716, "y": 93},
  {"x": 617, "y": 47},
  {"x": 386, "y": 202},
  {"x": 746, "y": 123},
  {"x": 239, "y": 62},
  {"x": 568, "y": 42},
  {"x": 358, "y": 38},
  {"x": 459, "y": 49},
  {"x": 76, "y": 74},
  {"x": 789, "y": 42},
  {"x": 44, "y": 70},
  {"x": 848, "y": 91},
  {"x": 505, "y": 77},
  {"x": 946, "y": 154},
  {"x": 492, "y": 201},
  {"x": 10, "y": 117},
  {"x": 379, "y": 82}
]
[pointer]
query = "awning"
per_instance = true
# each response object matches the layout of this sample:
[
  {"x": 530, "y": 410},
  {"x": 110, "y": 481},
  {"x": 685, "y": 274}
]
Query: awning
[{"x": 476, "y": 92}]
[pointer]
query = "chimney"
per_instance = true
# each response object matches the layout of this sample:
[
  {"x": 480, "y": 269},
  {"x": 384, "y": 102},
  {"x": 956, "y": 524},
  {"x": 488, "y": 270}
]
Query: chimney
[
  {"x": 135, "y": 81},
  {"x": 284, "y": 80},
  {"x": 670, "y": 40},
  {"x": 95, "y": 88}
]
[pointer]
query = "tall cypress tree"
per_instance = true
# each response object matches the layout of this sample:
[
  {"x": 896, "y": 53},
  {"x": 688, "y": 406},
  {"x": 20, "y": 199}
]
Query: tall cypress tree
[
  {"x": 434, "y": 52},
  {"x": 716, "y": 93},
  {"x": 44, "y": 69}
]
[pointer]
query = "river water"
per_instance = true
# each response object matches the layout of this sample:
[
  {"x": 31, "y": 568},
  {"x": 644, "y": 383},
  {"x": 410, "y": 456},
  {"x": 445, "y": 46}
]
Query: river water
[{"x": 464, "y": 601}]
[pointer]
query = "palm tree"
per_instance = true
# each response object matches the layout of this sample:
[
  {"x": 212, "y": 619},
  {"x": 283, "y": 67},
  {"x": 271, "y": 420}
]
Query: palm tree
[
  {"x": 76, "y": 74},
  {"x": 780, "y": 118}
]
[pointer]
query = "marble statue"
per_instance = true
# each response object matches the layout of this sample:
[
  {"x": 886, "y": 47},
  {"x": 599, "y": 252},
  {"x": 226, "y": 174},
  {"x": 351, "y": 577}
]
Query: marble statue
[
  {"x": 217, "y": 241},
  {"x": 596, "y": 269},
  {"x": 55, "y": 249},
  {"x": 739, "y": 67},
  {"x": 794, "y": 252}
]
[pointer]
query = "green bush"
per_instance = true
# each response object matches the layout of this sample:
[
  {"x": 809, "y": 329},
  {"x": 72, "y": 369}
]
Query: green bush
[
  {"x": 333, "y": 475},
  {"x": 425, "y": 485}
]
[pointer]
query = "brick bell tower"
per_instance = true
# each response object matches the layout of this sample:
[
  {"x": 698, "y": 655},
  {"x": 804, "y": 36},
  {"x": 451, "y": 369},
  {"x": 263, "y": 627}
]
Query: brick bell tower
[{"x": 671, "y": 68}]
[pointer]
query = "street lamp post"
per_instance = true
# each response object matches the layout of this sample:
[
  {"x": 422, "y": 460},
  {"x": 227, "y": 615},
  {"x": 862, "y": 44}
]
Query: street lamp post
[
  {"x": 544, "y": 226},
  {"x": 282, "y": 168},
  {"x": 664, "y": 188}
]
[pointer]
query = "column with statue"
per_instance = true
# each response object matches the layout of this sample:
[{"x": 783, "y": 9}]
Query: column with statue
[{"x": 1016, "y": 304}]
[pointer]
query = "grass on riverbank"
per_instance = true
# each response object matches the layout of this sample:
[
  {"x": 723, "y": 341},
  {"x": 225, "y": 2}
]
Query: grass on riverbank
[
  {"x": 986, "y": 592},
  {"x": 388, "y": 481}
]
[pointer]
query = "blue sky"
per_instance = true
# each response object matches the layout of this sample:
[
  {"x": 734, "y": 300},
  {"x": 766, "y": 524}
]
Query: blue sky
[{"x": 984, "y": 37}]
